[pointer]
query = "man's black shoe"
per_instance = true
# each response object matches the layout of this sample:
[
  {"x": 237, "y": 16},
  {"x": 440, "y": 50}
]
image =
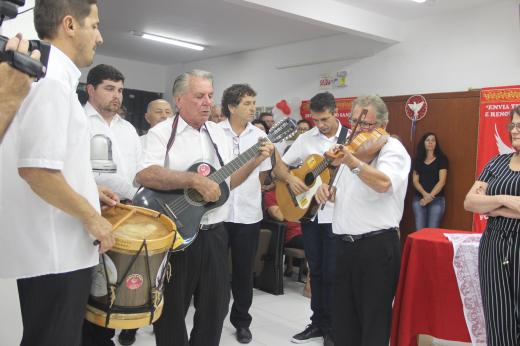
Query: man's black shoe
[
  {"x": 127, "y": 337},
  {"x": 310, "y": 333},
  {"x": 244, "y": 335}
]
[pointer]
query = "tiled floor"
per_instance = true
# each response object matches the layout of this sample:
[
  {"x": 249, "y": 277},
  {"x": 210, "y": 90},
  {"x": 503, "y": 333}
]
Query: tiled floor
[{"x": 275, "y": 319}]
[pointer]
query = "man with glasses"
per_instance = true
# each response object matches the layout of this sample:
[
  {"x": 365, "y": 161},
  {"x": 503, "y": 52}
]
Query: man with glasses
[
  {"x": 369, "y": 206},
  {"x": 243, "y": 222},
  {"x": 317, "y": 235}
]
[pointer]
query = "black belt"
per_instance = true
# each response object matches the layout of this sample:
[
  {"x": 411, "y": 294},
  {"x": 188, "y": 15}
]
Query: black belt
[
  {"x": 355, "y": 237},
  {"x": 210, "y": 226}
]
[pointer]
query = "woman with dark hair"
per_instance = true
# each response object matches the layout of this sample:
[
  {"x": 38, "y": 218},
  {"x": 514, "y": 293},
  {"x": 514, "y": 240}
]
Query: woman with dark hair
[
  {"x": 496, "y": 193},
  {"x": 429, "y": 177}
]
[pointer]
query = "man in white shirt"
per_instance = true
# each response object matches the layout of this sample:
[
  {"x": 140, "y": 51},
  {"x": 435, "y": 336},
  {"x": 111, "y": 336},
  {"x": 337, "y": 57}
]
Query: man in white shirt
[
  {"x": 243, "y": 222},
  {"x": 200, "y": 271},
  {"x": 14, "y": 84},
  {"x": 369, "y": 206},
  {"x": 318, "y": 239},
  {"x": 105, "y": 95},
  {"x": 49, "y": 205},
  {"x": 157, "y": 111}
]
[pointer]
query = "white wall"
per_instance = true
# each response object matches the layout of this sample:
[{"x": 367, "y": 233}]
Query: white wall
[
  {"x": 138, "y": 75},
  {"x": 469, "y": 49}
]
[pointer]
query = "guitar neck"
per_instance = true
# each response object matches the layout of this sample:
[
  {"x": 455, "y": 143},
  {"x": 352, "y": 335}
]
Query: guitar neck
[{"x": 231, "y": 167}]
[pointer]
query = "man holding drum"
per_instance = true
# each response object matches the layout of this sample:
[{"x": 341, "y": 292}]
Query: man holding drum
[
  {"x": 105, "y": 95},
  {"x": 49, "y": 204},
  {"x": 201, "y": 270}
]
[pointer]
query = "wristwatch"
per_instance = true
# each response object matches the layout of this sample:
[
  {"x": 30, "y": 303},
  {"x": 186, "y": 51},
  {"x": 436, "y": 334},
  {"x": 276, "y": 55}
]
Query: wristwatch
[{"x": 357, "y": 170}]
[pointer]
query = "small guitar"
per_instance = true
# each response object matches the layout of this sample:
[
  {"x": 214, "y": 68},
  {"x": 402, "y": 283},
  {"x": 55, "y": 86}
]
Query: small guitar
[
  {"x": 314, "y": 172},
  {"x": 186, "y": 207}
]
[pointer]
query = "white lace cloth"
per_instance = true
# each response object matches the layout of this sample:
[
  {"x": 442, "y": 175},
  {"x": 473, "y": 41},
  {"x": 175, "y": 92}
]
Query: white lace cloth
[{"x": 465, "y": 266}]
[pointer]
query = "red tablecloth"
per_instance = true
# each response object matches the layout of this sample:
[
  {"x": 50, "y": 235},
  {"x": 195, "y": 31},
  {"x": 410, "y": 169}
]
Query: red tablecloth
[{"x": 427, "y": 299}]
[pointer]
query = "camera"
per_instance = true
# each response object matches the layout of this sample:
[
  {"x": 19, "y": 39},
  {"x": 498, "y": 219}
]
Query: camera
[{"x": 22, "y": 62}]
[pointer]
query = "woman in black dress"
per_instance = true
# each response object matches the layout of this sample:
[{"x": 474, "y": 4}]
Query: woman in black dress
[{"x": 496, "y": 193}]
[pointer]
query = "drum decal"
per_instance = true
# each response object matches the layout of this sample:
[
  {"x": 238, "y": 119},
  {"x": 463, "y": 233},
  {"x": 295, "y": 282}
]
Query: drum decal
[
  {"x": 204, "y": 169},
  {"x": 99, "y": 278},
  {"x": 134, "y": 281}
]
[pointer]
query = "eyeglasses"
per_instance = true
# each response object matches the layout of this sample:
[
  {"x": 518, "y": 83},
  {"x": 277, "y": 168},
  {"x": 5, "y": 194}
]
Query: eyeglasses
[
  {"x": 236, "y": 146},
  {"x": 362, "y": 124},
  {"x": 511, "y": 126}
]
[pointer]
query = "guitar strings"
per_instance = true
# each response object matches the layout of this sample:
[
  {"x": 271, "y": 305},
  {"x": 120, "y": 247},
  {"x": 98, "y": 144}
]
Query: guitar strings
[{"x": 181, "y": 204}]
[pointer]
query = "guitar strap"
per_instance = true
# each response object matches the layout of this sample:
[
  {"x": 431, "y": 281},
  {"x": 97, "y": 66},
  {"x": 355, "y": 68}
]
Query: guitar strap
[{"x": 172, "y": 139}]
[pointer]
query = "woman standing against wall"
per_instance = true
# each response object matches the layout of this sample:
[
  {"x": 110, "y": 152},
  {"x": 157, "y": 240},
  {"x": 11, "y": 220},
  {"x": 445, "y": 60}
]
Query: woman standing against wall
[
  {"x": 429, "y": 177},
  {"x": 496, "y": 193}
]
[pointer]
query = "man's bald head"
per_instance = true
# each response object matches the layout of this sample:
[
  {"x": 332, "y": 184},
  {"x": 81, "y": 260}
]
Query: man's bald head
[{"x": 157, "y": 111}]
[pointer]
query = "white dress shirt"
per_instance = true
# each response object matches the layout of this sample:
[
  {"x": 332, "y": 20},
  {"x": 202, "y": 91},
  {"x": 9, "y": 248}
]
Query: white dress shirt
[
  {"x": 126, "y": 152},
  {"x": 246, "y": 199},
  {"x": 190, "y": 146},
  {"x": 359, "y": 209},
  {"x": 308, "y": 143},
  {"x": 50, "y": 132}
]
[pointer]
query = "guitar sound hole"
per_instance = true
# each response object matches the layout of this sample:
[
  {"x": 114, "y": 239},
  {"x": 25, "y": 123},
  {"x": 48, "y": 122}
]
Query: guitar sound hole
[
  {"x": 194, "y": 196},
  {"x": 309, "y": 179}
]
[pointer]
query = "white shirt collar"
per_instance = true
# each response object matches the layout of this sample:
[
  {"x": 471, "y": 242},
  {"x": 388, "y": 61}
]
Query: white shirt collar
[
  {"x": 92, "y": 112},
  {"x": 62, "y": 67},
  {"x": 318, "y": 133},
  {"x": 226, "y": 125}
]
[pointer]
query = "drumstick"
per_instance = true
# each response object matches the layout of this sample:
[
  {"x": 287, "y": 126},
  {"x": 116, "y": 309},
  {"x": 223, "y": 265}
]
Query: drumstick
[{"x": 131, "y": 211}]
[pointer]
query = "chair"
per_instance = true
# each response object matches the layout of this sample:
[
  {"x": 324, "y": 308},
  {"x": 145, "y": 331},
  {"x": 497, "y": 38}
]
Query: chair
[
  {"x": 291, "y": 253},
  {"x": 261, "y": 252},
  {"x": 270, "y": 278}
]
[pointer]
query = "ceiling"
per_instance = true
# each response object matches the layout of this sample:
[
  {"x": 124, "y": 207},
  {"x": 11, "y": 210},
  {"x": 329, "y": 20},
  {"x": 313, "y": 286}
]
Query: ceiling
[{"x": 232, "y": 26}]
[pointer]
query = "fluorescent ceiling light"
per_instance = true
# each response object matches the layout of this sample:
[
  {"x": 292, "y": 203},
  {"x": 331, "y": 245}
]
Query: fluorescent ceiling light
[
  {"x": 419, "y": 1},
  {"x": 170, "y": 41}
]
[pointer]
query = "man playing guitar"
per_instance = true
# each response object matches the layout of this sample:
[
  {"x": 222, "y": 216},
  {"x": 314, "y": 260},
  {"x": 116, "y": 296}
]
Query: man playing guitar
[
  {"x": 201, "y": 270},
  {"x": 317, "y": 234}
]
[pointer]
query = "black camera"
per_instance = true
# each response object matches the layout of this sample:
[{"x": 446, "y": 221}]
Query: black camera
[{"x": 22, "y": 62}]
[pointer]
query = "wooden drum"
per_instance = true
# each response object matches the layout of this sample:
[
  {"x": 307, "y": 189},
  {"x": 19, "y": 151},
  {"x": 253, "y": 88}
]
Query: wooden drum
[{"x": 128, "y": 283}]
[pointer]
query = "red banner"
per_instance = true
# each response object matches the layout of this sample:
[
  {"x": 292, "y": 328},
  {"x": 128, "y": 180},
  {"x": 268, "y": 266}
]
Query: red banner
[
  {"x": 343, "y": 106},
  {"x": 493, "y": 137}
]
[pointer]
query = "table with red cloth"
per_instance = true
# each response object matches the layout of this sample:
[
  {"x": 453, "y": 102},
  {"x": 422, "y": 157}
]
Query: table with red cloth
[{"x": 427, "y": 299}]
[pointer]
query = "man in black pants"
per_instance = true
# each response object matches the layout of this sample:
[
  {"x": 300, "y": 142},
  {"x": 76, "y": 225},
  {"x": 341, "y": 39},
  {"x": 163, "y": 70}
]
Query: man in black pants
[
  {"x": 368, "y": 208},
  {"x": 49, "y": 204},
  {"x": 243, "y": 222},
  {"x": 318, "y": 240},
  {"x": 200, "y": 271}
]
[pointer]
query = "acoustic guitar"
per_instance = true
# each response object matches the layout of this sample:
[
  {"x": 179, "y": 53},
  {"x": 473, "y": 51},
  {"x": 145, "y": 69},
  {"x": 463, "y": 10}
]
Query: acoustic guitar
[
  {"x": 186, "y": 207},
  {"x": 314, "y": 172}
]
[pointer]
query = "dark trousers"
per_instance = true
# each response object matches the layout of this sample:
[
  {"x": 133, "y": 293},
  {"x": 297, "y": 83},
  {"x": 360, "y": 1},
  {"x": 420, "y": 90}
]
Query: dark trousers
[
  {"x": 201, "y": 272},
  {"x": 243, "y": 243},
  {"x": 53, "y": 308},
  {"x": 320, "y": 252},
  {"x": 367, "y": 272},
  {"x": 94, "y": 335},
  {"x": 499, "y": 271}
]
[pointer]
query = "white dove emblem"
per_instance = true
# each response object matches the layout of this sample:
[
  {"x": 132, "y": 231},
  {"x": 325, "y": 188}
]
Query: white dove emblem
[
  {"x": 502, "y": 147},
  {"x": 416, "y": 107}
]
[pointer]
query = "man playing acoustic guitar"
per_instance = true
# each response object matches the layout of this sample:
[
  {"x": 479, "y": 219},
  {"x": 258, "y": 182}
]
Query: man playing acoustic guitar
[
  {"x": 317, "y": 234},
  {"x": 201, "y": 270}
]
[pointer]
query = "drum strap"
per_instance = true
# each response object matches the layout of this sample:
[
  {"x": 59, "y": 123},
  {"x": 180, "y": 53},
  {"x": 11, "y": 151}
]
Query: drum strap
[{"x": 172, "y": 139}]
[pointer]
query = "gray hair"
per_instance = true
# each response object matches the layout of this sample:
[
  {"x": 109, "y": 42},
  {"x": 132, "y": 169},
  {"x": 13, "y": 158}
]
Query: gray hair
[
  {"x": 180, "y": 85},
  {"x": 376, "y": 102}
]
